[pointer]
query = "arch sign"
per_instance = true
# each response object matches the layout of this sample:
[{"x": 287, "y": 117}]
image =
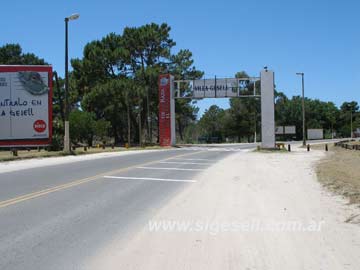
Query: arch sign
[
  {"x": 25, "y": 105},
  {"x": 217, "y": 88}
]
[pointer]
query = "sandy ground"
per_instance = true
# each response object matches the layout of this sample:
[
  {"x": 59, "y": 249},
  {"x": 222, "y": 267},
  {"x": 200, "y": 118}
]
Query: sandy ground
[{"x": 243, "y": 189}]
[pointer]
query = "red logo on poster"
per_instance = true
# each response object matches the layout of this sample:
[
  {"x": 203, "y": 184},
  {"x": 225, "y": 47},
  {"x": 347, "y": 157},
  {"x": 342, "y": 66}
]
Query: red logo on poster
[{"x": 39, "y": 126}]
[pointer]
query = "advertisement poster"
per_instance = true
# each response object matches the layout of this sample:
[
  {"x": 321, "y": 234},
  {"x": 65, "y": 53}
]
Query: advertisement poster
[{"x": 25, "y": 105}]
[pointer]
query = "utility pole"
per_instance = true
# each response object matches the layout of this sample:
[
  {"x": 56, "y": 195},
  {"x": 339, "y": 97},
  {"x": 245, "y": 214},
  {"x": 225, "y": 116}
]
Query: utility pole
[
  {"x": 67, "y": 131},
  {"x": 303, "y": 106},
  {"x": 149, "y": 127},
  {"x": 351, "y": 123},
  {"x": 67, "y": 106},
  {"x": 128, "y": 119},
  {"x": 140, "y": 135},
  {"x": 255, "y": 114},
  {"x": 255, "y": 135}
]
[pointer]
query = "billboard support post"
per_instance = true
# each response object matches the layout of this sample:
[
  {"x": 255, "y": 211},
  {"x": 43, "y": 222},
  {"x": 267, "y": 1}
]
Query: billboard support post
[{"x": 267, "y": 109}]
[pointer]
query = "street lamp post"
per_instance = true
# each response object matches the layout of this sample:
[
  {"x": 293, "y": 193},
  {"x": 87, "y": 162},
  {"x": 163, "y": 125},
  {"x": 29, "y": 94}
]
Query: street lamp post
[
  {"x": 303, "y": 106},
  {"x": 67, "y": 106},
  {"x": 350, "y": 108},
  {"x": 351, "y": 123}
]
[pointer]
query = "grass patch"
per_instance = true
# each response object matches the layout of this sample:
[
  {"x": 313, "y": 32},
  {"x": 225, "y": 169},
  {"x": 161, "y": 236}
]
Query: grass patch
[
  {"x": 320, "y": 146},
  {"x": 275, "y": 150},
  {"x": 339, "y": 172}
]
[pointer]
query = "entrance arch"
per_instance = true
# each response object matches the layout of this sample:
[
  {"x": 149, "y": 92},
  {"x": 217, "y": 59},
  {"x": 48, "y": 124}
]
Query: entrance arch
[{"x": 216, "y": 88}]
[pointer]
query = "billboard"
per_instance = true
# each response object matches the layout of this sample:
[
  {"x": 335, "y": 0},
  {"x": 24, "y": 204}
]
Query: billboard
[
  {"x": 279, "y": 130},
  {"x": 285, "y": 130},
  {"x": 221, "y": 88},
  {"x": 290, "y": 129},
  {"x": 25, "y": 105},
  {"x": 315, "y": 134}
]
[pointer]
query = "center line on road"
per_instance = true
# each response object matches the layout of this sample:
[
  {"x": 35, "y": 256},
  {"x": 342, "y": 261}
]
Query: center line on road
[
  {"x": 74, "y": 183},
  {"x": 189, "y": 163},
  {"x": 175, "y": 169},
  {"x": 150, "y": 179}
]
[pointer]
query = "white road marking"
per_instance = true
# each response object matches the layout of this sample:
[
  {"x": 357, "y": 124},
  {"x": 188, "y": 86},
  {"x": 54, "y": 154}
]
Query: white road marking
[
  {"x": 150, "y": 179},
  {"x": 194, "y": 159},
  {"x": 175, "y": 169},
  {"x": 189, "y": 163},
  {"x": 217, "y": 149}
]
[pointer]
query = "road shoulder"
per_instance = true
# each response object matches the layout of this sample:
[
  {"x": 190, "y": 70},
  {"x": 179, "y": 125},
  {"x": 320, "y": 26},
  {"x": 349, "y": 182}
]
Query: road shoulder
[{"x": 245, "y": 189}]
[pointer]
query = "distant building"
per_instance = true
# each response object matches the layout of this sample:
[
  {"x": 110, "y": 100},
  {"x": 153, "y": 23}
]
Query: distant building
[{"x": 315, "y": 134}]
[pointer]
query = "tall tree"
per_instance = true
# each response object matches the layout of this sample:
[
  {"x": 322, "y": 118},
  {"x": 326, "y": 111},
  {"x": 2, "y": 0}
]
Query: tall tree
[
  {"x": 211, "y": 123},
  {"x": 243, "y": 117},
  {"x": 149, "y": 49},
  {"x": 181, "y": 66},
  {"x": 118, "y": 75},
  {"x": 11, "y": 54},
  {"x": 348, "y": 113}
]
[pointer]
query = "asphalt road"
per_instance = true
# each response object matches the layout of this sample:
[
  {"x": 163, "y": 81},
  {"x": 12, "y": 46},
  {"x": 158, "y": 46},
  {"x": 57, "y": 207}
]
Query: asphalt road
[{"x": 59, "y": 217}]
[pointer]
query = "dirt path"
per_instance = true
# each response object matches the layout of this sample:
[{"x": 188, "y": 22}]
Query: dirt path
[{"x": 249, "y": 211}]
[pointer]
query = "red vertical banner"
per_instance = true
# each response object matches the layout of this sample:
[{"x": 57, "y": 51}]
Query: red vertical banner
[{"x": 164, "y": 110}]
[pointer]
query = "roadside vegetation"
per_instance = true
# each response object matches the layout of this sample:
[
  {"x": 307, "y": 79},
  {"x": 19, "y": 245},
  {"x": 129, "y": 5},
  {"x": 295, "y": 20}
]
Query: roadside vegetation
[
  {"x": 113, "y": 91},
  {"x": 238, "y": 123},
  {"x": 339, "y": 172},
  {"x": 113, "y": 86}
]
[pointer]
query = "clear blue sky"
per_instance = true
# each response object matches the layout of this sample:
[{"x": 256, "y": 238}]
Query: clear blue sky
[{"x": 320, "y": 38}]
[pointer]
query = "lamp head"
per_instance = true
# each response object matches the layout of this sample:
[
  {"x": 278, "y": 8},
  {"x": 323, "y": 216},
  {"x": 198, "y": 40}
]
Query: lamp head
[{"x": 73, "y": 17}]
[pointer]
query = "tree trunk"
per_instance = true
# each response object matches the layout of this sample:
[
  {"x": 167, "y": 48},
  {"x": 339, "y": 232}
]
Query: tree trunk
[
  {"x": 61, "y": 102},
  {"x": 116, "y": 135},
  {"x": 180, "y": 129},
  {"x": 128, "y": 124},
  {"x": 140, "y": 130},
  {"x": 90, "y": 141}
]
